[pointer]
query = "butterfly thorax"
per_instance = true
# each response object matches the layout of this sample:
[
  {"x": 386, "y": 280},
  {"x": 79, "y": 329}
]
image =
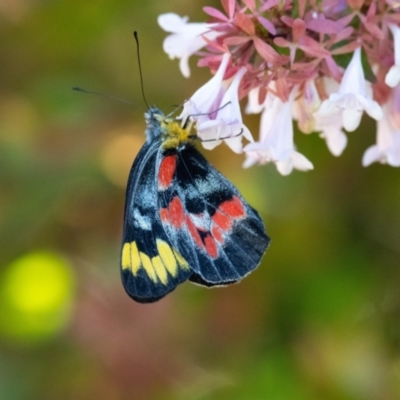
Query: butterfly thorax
[{"x": 170, "y": 130}]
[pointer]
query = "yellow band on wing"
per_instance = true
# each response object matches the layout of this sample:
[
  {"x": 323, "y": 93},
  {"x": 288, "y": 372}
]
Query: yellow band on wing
[
  {"x": 168, "y": 257},
  {"x": 160, "y": 269},
  {"x": 126, "y": 256},
  {"x": 148, "y": 267},
  {"x": 181, "y": 261},
  {"x": 157, "y": 268}
]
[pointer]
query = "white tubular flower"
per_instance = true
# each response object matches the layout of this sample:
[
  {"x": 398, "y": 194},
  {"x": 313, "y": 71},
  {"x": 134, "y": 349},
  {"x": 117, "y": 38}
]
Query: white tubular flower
[
  {"x": 331, "y": 130},
  {"x": 394, "y": 105},
  {"x": 208, "y": 97},
  {"x": 276, "y": 140},
  {"x": 353, "y": 97},
  {"x": 226, "y": 124},
  {"x": 259, "y": 151},
  {"x": 186, "y": 38},
  {"x": 387, "y": 148},
  {"x": 305, "y": 107},
  {"x": 330, "y": 124},
  {"x": 217, "y": 111},
  {"x": 392, "y": 78},
  {"x": 253, "y": 106}
]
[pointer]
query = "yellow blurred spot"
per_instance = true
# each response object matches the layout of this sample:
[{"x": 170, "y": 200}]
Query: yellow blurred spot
[
  {"x": 36, "y": 293},
  {"x": 37, "y": 282},
  {"x": 119, "y": 153}
]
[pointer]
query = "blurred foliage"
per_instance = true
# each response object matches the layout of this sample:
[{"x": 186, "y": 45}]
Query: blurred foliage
[{"x": 318, "y": 320}]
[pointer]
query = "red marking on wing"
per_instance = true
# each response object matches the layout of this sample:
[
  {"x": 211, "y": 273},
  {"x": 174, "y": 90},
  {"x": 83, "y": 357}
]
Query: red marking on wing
[
  {"x": 194, "y": 232},
  {"x": 164, "y": 215},
  {"x": 222, "y": 220},
  {"x": 234, "y": 208},
  {"x": 166, "y": 171},
  {"x": 211, "y": 246},
  {"x": 217, "y": 234},
  {"x": 176, "y": 212}
]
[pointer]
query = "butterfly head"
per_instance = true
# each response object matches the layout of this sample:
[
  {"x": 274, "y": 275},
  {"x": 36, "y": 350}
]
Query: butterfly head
[
  {"x": 154, "y": 118},
  {"x": 170, "y": 130}
]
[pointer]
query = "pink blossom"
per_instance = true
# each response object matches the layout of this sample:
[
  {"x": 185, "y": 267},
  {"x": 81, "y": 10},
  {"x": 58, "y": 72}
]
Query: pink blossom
[{"x": 284, "y": 56}]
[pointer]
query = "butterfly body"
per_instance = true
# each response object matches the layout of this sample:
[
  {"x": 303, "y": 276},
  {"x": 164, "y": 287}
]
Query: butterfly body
[{"x": 183, "y": 219}]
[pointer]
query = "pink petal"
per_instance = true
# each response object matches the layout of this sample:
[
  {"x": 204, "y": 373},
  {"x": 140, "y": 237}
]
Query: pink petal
[
  {"x": 282, "y": 42},
  {"x": 355, "y": 4},
  {"x": 322, "y": 25},
  {"x": 215, "y": 13},
  {"x": 212, "y": 61},
  {"x": 300, "y": 75},
  {"x": 374, "y": 30},
  {"x": 312, "y": 47},
  {"x": 266, "y": 51},
  {"x": 245, "y": 24},
  {"x": 309, "y": 66},
  {"x": 232, "y": 4},
  {"x": 393, "y": 18},
  {"x": 344, "y": 34},
  {"x": 215, "y": 45},
  {"x": 299, "y": 29},
  {"x": 287, "y": 21},
  {"x": 268, "y": 4},
  {"x": 251, "y": 4},
  {"x": 372, "y": 9},
  {"x": 267, "y": 24},
  {"x": 333, "y": 67},
  {"x": 236, "y": 40},
  {"x": 302, "y": 7},
  {"x": 346, "y": 19},
  {"x": 347, "y": 48},
  {"x": 229, "y": 7}
]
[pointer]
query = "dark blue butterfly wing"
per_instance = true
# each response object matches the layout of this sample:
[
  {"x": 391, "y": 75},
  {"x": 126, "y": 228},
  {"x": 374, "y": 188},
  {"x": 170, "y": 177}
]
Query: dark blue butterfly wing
[
  {"x": 206, "y": 219},
  {"x": 150, "y": 266}
]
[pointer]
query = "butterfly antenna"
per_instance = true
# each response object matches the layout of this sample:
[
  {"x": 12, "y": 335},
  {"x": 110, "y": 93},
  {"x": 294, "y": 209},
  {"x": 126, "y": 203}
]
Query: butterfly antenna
[
  {"x": 135, "y": 34},
  {"x": 78, "y": 89}
]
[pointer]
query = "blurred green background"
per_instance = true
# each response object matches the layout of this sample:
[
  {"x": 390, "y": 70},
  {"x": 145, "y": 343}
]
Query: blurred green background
[{"x": 318, "y": 320}]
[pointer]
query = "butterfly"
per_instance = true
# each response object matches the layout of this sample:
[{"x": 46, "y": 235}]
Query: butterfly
[{"x": 183, "y": 219}]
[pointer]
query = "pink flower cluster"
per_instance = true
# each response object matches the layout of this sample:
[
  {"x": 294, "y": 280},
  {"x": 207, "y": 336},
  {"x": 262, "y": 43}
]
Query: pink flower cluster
[{"x": 319, "y": 62}]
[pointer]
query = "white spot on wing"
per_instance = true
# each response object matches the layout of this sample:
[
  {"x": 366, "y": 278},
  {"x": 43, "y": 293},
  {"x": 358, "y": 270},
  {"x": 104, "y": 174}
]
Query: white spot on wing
[
  {"x": 141, "y": 221},
  {"x": 201, "y": 221}
]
